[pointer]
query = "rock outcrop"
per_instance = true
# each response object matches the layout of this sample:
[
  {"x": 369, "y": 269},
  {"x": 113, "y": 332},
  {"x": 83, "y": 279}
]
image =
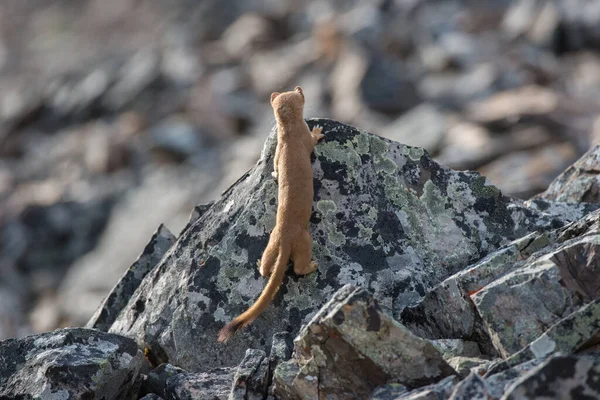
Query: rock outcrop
[
  {"x": 386, "y": 217},
  {"x": 431, "y": 284},
  {"x": 70, "y": 364}
]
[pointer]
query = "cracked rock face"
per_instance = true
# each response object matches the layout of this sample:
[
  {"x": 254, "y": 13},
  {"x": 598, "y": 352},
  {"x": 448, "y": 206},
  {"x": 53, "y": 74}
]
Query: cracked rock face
[
  {"x": 350, "y": 347},
  {"x": 560, "y": 377},
  {"x": 386, "y": 217},
  {"x": 70, "y": 364}
]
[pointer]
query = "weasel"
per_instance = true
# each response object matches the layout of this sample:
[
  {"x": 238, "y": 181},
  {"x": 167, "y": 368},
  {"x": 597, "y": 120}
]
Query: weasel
[{"x": 290, "y": 238}]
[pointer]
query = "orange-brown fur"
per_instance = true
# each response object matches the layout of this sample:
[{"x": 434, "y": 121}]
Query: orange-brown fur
[{"x": 290, "y": 238}]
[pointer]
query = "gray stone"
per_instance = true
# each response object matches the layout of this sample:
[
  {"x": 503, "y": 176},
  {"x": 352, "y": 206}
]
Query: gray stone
[
  {"x": 528, "y": 172},
  {"x": 473, "y": 387},
  {"x": 447, "y": 310},
  {"x": 351, "y": 346},
  {"x": 215, "y": 385},
  {"x": 251, "y": 377},
  {"x": 579, "y": 183},
  {"x": 560, "y": 377},
  {"x": 500, "y": 382},
  {"x": 575, "y": 332},
  {"x": 70, "y": 364},
  {"x": 383, "y": 88},
  {"x": 423, "y": 126},
  {"x": 159, "y": 244},
  {"x": 456, "y": 347},
  {"x": 156, "y": 380},
  {"x": 465, "y": 365},
  {"x": 386, "y": 217},
  {"x": 389, "y": 392},
  {"x": 151, "y": 396},
  {"x": 441, "y": 390},
  {"x": 518, "y": 308}
]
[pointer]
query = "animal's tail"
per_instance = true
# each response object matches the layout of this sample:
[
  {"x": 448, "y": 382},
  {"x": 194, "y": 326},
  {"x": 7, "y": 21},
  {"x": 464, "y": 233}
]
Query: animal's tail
[{"x": 264, "y": 299}]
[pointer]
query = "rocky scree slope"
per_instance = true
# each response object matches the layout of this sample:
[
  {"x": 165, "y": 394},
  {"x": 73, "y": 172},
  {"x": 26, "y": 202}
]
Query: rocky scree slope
[{"x": 412, "y": 255}]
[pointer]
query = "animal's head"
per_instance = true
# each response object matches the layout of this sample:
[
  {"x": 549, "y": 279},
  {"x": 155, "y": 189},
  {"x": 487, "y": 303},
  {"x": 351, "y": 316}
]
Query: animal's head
[{"x": 288, "y": 105}]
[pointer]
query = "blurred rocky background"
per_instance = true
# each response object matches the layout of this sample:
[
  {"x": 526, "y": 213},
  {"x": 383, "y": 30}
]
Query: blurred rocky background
[{"x": 119, "y": 115}]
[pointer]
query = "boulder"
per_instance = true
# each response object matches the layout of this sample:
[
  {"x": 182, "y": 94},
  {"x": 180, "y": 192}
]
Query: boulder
[
  {"x": 579, "y": 183},
  {"x": 560, "y": 377},
  {"x": 70, "y": 364},
  {"x": 350, "y": 347}
]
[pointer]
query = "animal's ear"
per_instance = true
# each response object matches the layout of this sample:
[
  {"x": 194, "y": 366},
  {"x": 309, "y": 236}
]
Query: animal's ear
[
  {"x": 299, "y": 90},
  {"x": 274, "y": 96}
]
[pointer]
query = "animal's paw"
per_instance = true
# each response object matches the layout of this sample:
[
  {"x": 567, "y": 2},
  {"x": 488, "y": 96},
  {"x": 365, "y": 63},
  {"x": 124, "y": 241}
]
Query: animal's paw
[
  {"x": 317, "y": 133},
  {"x": 274, "y": 175}
]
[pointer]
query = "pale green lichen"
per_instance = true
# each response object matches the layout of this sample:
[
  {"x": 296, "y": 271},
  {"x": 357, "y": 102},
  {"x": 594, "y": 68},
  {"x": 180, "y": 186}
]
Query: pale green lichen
[
  {"x": 345, "y": 155},
  {"x": 362, "y": 143},
  {"x": 326, "y": 206},
  {"x": 482, "y": 188},
  {"x": 414, "y": 153},
  {"x": 381, "y": 161}
]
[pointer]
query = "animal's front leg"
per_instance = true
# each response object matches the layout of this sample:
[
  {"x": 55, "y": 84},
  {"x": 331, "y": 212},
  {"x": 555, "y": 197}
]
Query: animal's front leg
[{"x": 316, "y": 134}]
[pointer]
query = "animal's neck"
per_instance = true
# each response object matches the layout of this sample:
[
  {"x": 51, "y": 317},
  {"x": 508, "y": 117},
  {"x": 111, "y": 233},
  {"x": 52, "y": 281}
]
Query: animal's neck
[{"x": 286, "y": 127}]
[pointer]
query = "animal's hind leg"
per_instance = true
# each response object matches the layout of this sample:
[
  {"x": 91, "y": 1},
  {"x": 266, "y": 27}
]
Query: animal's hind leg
[
  {"x": 269, "y": 257},
  {"x": 302, "y": 253}
]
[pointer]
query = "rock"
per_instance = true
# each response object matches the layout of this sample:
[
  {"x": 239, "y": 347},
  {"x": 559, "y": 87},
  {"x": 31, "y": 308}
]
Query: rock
[
  {"x": 417, "y": 224},
  {"x": 159, "y": 244},
  {"x": 151, "y": 396},
  {"x": 519, "y": 307},
  {"x": 352, "y": 327},
  {"x": 156, "y": 380},
  {"x": 251, "y": 378},
  {"x": 464, "y": 365},
  {"x": 500, "y": 382},
  {"x": 577, "y": 28},
  {"x": 526, "y": 173},
  {"x": 70, "y": 363},
  {"x": 215, "y": 384},
  {"x": 440, "y": 390},
  {"x": 560, "y": 377},
  {"x": 424, "y": 126},
  {"x": 457, "y": 88},
  {"x": 177, "y": 137},
  {"x": 447, "y": 310},
  {"x": 579, "y": 183},
  {"x": 388, "y": 392},
  {"x": 473, "y": 387},
  {"x": 526, "y": 102},
  {"x": 271, "y": 71},
  {"x": 383, "y": 88},
  {"x": 470, "y": 146},
  {"x": 573, "y": 333},
  {"x": 133, "y": 78},
  {"x": 248, "y": 34},
  {"x": 456, "y": 347}
]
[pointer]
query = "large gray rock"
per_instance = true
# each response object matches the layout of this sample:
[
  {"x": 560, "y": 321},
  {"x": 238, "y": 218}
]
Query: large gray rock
[
  {"x": 509, "y": 298},
  {"x": 70, "y": 364},
  {"x": 440, "y": 390},
  {"x": 350, "y": 347},
  {"x": 215, "y": 385},
  {"x": 560, "y": 377},
  {"x": 549, "y": 286},
  {"x": 386, "y": 218},
  {"x": 580, "y": 182}
]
